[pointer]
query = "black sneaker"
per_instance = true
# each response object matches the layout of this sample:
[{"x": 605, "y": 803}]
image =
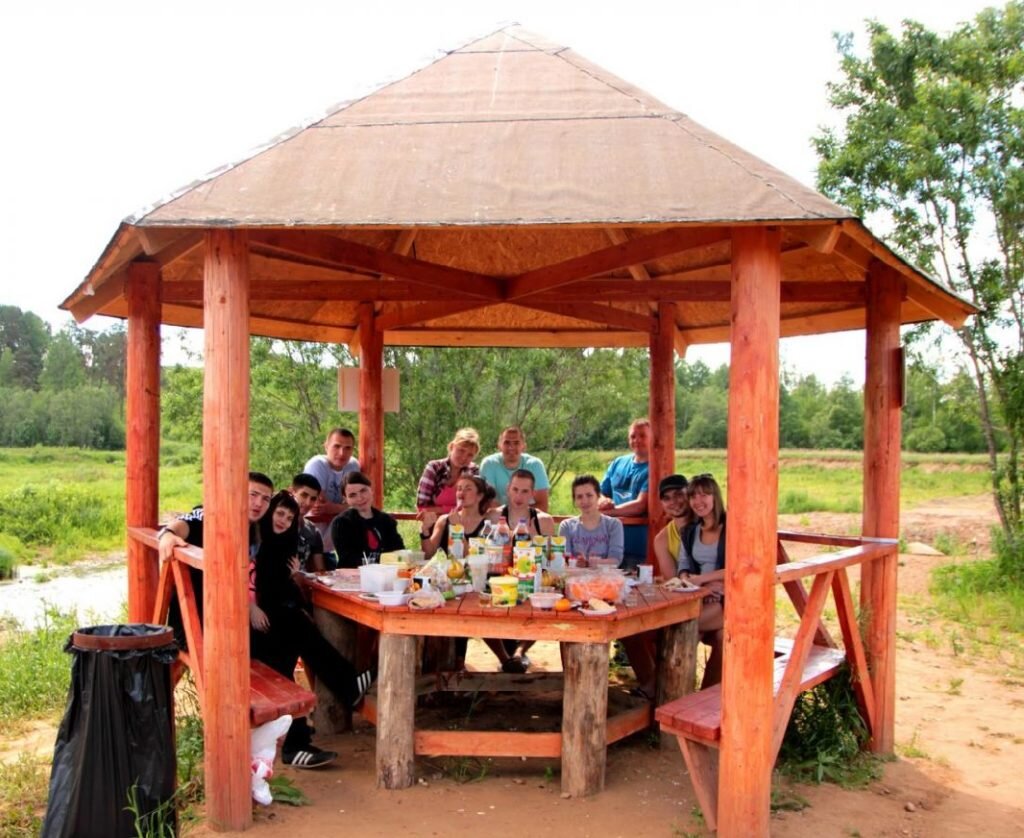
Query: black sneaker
[{"x": 311, "y": 757}]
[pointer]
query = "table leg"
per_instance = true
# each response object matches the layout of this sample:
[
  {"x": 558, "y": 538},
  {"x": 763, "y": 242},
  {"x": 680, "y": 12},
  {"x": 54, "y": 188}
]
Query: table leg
[
  {"x": 396, "y": 710},
  {"x": 584, "y": 718},
  {"x": 677, "y": 666},
  {"x": 330, "y": 715}
]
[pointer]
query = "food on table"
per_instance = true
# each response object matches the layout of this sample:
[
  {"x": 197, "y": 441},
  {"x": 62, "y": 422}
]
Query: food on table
[
  {"x": 609, "y": 586},
  {"x": 599, "y": 606},
  {"x": 563, "y": 605}
]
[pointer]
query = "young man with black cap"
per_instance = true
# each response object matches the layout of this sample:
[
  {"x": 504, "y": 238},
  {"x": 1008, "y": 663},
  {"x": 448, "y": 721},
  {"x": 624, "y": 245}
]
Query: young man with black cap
[{"x": 667, "y": 543}]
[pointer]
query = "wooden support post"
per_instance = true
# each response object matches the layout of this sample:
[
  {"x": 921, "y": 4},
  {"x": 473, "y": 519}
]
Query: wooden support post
[
  {"x": 371, "y": 401},
  {"x": 225, "y": 529},
  {"x": 677, "y": 666},
  {"x": 396, "y": 709},
  {"x": 744, "y": 790},
  {"x": 662, "y": 413},
  {"x": 584, "y": 745},
  {"x": 142, "y": 438},
  {"x": 882, "y": 401}
]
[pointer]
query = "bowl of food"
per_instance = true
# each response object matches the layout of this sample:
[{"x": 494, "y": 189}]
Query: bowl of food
[
  {"x": 393, "y": 597},
  {"x": 545, "y": 600}
]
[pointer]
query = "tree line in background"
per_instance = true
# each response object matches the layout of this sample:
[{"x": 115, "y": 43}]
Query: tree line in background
[
  {"x": 60, "y": 389},
  {"x": 67, "y": 389}
]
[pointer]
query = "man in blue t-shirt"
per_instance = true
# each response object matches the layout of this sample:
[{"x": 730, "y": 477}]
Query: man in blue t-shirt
[
  {"x": 624, "y": 492},
  {"x": 497, "y": 469}
]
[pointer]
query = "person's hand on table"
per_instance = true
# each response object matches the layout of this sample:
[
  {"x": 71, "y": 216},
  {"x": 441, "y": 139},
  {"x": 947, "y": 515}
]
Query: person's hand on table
[{"x": 258, "y": 618}]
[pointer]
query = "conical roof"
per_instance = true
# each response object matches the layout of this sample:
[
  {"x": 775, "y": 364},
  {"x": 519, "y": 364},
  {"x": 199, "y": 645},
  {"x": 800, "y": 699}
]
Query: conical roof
[{"x": 510, "y": 181}]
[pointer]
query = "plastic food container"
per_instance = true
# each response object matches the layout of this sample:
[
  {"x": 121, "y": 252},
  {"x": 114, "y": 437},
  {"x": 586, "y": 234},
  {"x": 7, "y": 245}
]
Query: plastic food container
[
  {"x": 609, "y": 585},
  {"x": 504, "y": 590}
]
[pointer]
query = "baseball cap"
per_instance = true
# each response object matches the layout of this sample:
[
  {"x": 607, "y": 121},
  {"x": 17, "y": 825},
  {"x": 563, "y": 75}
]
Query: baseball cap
[{"x": 668, "y": 484}]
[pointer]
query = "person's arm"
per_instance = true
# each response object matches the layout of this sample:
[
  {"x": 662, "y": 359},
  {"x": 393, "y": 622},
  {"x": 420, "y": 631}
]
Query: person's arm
[
  {"x": 316, "y": 562},
  {"x": 545, "y": 524},
  {"x": 429, "y": 545},
  {"x": 566, "y": 529},
  {"x": 172, "y": 535},
  {"x": 392, "y": 539},
  {"x": 541, "y": 498},
  {"x": 348, "y": 545},
  {"x": 616, "y": 540},
  {"x": 664, "y": 564},
  {"x": 630, "y": 508},
  {"x": 426, "y": 491}
]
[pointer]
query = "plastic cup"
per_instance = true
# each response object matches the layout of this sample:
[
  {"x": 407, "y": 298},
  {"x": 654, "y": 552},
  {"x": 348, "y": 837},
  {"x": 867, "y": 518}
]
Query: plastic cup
[
  {"x": 478, "y": 571},
  {"x": 645, "y": 574}
]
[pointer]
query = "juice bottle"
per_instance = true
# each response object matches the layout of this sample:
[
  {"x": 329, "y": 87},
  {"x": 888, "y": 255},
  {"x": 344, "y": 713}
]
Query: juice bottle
[{"x": 503, "y": 536}]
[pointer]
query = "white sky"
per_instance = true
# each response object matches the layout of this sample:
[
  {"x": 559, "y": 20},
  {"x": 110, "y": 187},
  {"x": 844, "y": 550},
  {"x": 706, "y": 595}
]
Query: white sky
[{"x": 107, "y": 106}]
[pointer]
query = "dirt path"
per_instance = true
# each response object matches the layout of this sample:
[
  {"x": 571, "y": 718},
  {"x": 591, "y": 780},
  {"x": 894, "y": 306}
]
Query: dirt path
[{"x": 959, "y": 732}]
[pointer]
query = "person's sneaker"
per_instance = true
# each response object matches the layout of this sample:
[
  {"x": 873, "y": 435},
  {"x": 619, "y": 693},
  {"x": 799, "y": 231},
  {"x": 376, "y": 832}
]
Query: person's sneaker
[
  {"x": 363, "y": 683},
  {"x": 311, "y": 757}
]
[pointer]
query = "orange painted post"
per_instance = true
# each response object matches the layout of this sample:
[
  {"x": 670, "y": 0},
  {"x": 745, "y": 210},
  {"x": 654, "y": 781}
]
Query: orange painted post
[
  {"x": 662, "y": 413},
  {"x": 745, "y": 763},
  {"x": 142, "y": 433},
  {"x": 225, "y": 529},
  {"x": 882, "y": 400},
  {"x": 371, "y": 401}
]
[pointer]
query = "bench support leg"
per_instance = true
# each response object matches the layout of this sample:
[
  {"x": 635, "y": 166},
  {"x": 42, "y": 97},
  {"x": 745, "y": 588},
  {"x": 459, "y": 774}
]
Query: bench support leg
[
  {"x": 702, "y": 763},
  {"x": 584, "y": 718},
  {"x": 396, "y": 709}
]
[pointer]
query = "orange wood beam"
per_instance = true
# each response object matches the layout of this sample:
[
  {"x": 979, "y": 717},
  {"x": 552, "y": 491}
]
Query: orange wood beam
[
  {"x": 515, "y": 338},
  {"x": 597, "y": 313},
  {"x": 94, "y": 299},
  {"x": 318, "y": 248},
  {"x": 142, "y": 437},
  {"x": 225, "y": 529},
  {"x": 630, "y": 252},
  {"x": 371, "y": 401},
  {"x": 662, "y": 413},
  {"x": 881, "y": 517},
  {"x": 744, "y": 792},
  {"x": 421, "y": 313}
]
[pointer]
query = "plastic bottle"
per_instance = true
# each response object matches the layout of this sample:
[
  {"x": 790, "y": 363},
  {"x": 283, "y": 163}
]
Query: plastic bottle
[
  {"x": 522, "y": 532},
  {"x": 456, "y": 543},
  {"x": 503, "y": 536}
]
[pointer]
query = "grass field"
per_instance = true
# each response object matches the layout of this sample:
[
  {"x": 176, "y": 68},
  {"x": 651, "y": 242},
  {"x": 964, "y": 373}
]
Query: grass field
[{"x": 62, "y": 504}]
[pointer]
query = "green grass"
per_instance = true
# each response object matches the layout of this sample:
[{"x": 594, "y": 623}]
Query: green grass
[
  {"x": 975, "y": 594},
  {"x": 61, "y": 504},
  {"x": 34, "y": 671},
  {"x": 24, "y": 784}
]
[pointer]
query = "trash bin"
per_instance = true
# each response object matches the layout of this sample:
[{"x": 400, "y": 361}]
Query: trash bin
[{"x": 117, "y": 735}]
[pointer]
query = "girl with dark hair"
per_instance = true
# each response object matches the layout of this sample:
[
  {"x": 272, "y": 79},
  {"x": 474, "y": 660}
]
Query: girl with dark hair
[
  {"x": 473, "y": 496},
  {"x": 282, "y": 630}
]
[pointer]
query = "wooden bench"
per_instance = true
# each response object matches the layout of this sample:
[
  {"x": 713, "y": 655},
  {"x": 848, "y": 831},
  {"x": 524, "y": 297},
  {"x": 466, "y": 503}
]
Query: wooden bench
[
  {"x": 271, "y": 694},
  {"x": 809, "y": 659}
]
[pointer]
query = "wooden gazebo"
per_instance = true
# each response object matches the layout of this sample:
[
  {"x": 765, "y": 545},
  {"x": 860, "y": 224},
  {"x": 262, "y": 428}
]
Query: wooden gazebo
[{"x": 512, "y": 194}]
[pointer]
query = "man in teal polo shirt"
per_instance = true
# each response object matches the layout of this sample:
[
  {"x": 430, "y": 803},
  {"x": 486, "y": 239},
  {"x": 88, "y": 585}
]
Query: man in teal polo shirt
[{"x": 497, "y": 469}]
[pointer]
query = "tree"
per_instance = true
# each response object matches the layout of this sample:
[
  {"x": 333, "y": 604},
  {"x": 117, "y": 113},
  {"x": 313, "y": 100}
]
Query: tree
[
  {"x": 64, "y": 365},
  {"x": 23, "y": 341},
  {"x": 933, "y": 145}
]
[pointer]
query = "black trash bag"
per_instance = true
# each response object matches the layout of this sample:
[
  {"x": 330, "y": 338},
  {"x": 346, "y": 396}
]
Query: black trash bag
[{"x": 117, "y": 733}]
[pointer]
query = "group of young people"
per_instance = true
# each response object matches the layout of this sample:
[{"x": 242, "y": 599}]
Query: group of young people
[{"x": 326, "y": 519}]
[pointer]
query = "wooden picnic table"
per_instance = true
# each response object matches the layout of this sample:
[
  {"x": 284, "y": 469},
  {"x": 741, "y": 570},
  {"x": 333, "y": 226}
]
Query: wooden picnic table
[{"x": 586, "y": 728}]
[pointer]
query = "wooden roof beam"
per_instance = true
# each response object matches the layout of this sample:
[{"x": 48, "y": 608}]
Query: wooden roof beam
[
  {"x": 421, "y": 313},
  {"x": 92, "y": 300},
  {"x": 516, "y": 338},
  {"x": 632, "y": 252},
  {"x": 597, "y": 313},
  {"x": 324, "y": 249}
]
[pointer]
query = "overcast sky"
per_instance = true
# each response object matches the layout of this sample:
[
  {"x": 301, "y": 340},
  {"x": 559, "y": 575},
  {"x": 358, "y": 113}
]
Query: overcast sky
[{"x": 108, "y": 106}]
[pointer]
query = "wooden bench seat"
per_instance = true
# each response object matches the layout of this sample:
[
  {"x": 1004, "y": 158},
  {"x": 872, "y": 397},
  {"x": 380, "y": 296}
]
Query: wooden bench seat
[
  {"x": 699, "y": 715},
  {"x": 696, "y": 720},
  {"x": 271, "y": 694}
]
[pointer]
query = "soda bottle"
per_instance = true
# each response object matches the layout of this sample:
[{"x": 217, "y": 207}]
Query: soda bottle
[
  {"x": 503, "y": 536},
  {"x": 522, "y": 532}
]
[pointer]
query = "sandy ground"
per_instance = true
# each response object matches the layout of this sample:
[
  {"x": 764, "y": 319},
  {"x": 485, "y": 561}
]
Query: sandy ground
[{"x": 959, "y": 730}]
